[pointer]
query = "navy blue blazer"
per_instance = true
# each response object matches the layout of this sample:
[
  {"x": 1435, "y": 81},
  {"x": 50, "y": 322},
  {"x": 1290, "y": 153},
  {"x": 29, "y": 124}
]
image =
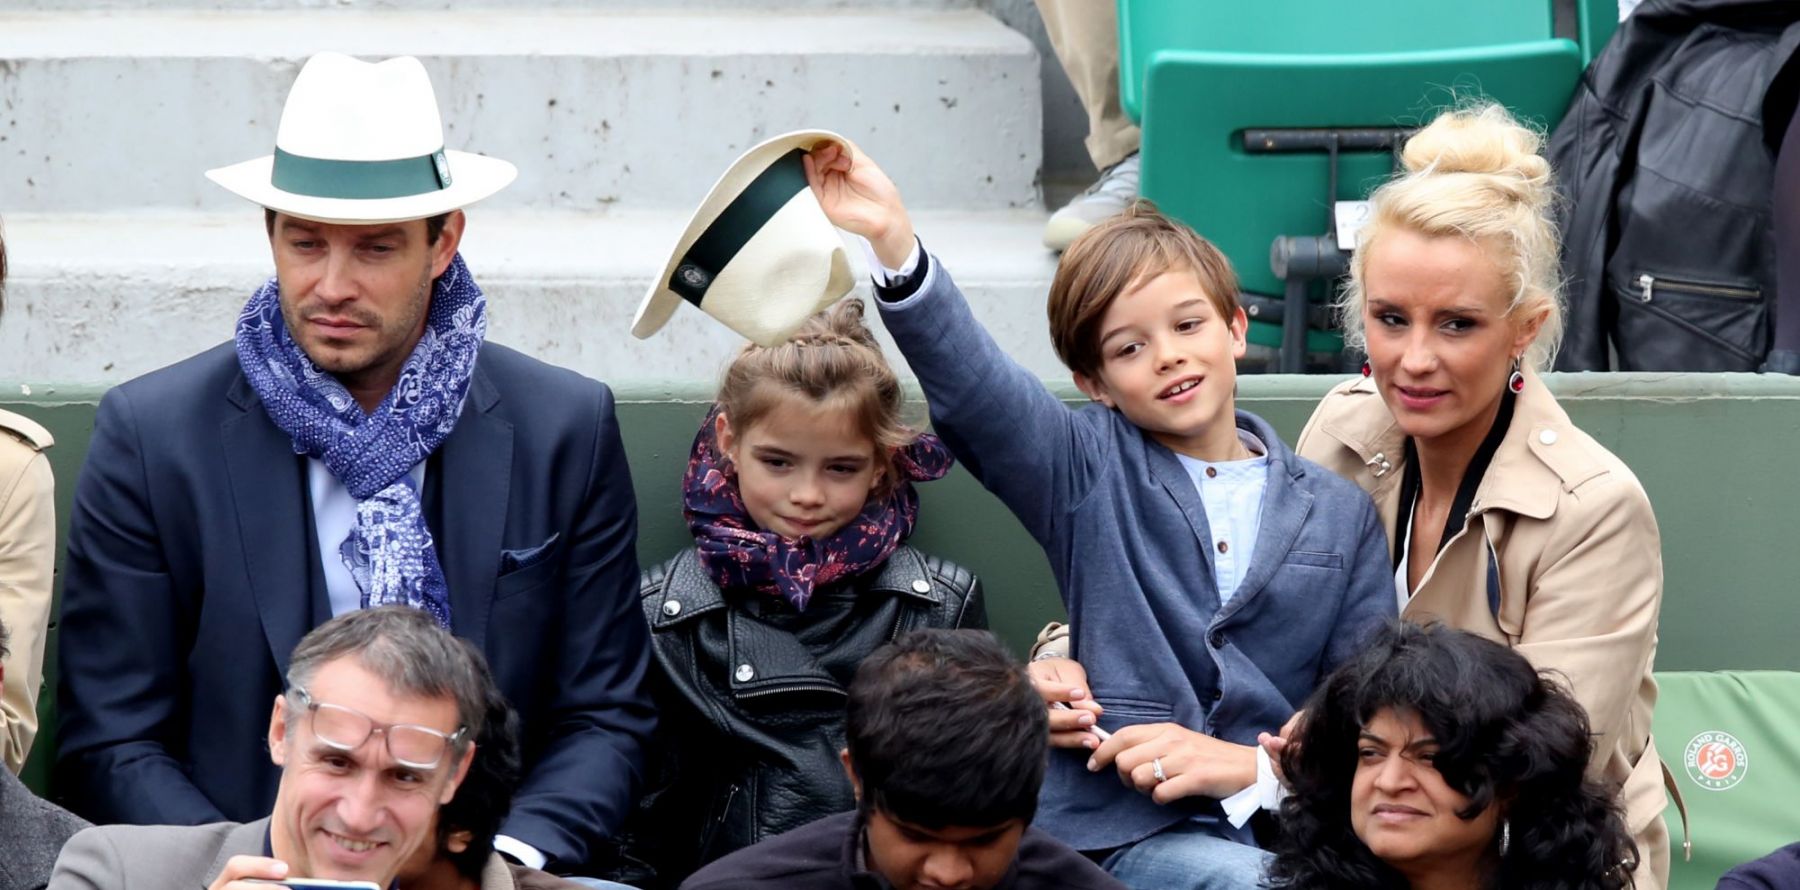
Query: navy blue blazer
[
  {"x": 193, "y": 570},
  {"x": 1126, "y": 535}
]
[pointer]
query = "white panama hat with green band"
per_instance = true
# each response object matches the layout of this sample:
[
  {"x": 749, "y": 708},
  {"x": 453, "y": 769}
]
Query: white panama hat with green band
[
  {"x": 759, "y": 254},
  {"x": 362, "y": 142}
]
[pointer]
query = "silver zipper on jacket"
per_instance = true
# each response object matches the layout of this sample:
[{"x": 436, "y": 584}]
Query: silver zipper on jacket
[
  {"x": 1647, "y": 285},
  {"x": 793, "y": 687}
]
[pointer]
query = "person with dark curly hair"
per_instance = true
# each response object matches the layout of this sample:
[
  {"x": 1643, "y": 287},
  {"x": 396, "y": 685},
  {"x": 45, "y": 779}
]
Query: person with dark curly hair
[{"x": 1437, "y": 759}]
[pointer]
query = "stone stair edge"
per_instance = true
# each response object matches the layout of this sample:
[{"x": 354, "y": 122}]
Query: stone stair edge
[
  {"x": 569, "y": 110},
  {"x": 199, "y": 248},
  {"x": 284, "y": 34}
]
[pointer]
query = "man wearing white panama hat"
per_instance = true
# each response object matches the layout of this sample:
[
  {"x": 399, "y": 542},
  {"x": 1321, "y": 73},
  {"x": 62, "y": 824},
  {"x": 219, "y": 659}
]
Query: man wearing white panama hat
[{"x": 358, "y": 444}]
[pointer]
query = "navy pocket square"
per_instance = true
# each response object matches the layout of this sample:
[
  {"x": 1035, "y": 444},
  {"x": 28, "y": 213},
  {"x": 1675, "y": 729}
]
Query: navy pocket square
[{"x": 520, "y": 560}]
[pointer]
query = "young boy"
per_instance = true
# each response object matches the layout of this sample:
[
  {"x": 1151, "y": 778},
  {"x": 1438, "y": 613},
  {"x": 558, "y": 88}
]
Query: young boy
[{"x": 1211, "y": 576}]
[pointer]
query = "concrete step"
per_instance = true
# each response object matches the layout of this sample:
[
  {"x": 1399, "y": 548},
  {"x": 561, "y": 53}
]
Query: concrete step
[
  {"x": 124, "y": 110},
  {"x": 100, "y": 298}
]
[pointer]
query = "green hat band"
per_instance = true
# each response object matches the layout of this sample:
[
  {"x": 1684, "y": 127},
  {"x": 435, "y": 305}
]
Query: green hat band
[{"x": 360, "y": 180}]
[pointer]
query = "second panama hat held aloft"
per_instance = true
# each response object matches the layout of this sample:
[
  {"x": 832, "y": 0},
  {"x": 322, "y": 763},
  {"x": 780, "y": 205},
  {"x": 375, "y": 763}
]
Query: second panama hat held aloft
[{"x": 759, "y": 255}]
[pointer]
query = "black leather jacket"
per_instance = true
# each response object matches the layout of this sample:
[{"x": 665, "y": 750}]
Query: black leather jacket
[{"x": 751, "y": 699}]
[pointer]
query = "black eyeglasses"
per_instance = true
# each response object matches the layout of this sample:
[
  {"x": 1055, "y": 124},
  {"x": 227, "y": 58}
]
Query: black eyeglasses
[{"x": 346, "y": 729}]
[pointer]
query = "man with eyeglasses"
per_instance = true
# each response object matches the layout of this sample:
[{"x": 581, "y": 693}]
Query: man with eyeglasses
[{"x": 374, "y": 734}]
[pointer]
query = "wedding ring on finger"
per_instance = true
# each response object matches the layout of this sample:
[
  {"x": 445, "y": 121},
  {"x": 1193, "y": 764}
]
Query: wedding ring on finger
[{"x": 1157, "y": 770}]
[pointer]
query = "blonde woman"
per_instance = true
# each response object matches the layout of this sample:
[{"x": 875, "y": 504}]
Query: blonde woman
[
  {"x": 1505, "y": 519},
  {"x": 27, "y": 555}
]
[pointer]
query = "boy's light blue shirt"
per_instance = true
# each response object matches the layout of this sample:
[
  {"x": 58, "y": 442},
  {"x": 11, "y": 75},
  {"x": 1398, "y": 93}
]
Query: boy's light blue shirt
[
  {"x": 1127, "y": 536},
  {"x": 1232, "y": 491}
]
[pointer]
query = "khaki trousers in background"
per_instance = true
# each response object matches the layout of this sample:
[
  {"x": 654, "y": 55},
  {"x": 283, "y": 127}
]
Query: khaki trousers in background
[{"x": 1085, "y": 34}]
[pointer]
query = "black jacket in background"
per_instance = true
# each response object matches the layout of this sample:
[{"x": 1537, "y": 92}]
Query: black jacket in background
[
  {"x": 827, "y": 855},
  {"x": 1665, "y": 160},
  {"x": 751, "y": 695}
]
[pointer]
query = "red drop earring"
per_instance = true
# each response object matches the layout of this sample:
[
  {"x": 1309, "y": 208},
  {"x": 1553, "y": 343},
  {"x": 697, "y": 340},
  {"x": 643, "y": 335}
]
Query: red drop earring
[
  {"x": 1516, "y": 382},
  {"x": 1366, "y": 370}
]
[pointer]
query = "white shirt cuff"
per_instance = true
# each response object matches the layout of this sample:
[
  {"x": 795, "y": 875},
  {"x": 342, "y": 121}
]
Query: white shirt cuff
[
  {"x": 881, "y": 273},
  {"x": 524, "y": 852},
  {"x": 1269, "y": 784},
  {"x": 1264, "y": 794}
]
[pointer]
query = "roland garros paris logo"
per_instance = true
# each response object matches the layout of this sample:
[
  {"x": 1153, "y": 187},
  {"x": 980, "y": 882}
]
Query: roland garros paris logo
[{"x": 1716, "y": 761}]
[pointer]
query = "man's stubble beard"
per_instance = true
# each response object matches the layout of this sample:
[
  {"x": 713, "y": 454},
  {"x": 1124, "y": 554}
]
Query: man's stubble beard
[{"x": 419, "y": 307}]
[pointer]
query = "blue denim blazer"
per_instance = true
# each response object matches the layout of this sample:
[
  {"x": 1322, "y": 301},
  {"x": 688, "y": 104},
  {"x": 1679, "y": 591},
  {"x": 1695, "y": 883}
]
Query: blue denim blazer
[{"x": 1127, "y": 539}]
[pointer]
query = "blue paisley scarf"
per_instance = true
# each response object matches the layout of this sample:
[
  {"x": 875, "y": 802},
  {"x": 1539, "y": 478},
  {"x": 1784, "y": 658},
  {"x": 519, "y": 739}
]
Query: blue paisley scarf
[
  {"x": 390, "y": 550},
  {"x": 737, "y": 553}
]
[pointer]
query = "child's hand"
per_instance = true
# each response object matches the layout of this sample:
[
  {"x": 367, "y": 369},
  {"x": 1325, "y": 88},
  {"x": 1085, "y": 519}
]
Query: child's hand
[
  {"x": 1191, "y": 763},
  {"x": 859, "y": 198},
  {"x": 1064, "y": 680}
]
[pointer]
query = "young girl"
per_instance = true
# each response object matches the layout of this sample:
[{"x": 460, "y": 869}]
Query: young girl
[{"x": 799, "y": 495}]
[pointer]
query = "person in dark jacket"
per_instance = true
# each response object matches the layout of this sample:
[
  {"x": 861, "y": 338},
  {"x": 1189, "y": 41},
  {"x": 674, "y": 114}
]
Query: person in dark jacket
[
  {"x": 799, "y": 495},
  {"x": 1779, "y": 870},
  {"x": 946, "y": 740},
  {"x": 32, "y": 830}
]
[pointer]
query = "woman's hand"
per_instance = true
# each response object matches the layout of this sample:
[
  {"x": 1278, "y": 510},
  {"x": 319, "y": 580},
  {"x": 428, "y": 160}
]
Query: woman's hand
[
  {"x": 858, "y": 198},
  {"x": 1275, "y": 744},
  {"x": 1193, "y": 763},
  {"x": 1064, "y": 680}
]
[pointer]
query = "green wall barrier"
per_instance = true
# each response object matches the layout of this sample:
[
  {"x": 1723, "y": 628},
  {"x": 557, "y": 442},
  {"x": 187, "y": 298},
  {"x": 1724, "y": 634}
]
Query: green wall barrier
[{"x": 1712, "y": 451}]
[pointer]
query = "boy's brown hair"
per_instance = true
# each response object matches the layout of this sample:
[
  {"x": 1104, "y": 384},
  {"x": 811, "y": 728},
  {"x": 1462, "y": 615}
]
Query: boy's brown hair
[{"x": 1117, "y": 255}]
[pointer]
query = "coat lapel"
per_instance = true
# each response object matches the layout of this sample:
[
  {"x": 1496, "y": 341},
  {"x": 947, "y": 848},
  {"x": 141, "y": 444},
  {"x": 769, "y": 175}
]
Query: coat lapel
[
  {"x": 268, "y": 485},
  {"x": 477, "y": 481}
]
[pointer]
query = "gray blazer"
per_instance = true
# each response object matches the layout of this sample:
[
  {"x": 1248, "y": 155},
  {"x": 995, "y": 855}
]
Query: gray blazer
[
  {"x": 154, "y": 857},
  {"x": 32, "y": 831}
]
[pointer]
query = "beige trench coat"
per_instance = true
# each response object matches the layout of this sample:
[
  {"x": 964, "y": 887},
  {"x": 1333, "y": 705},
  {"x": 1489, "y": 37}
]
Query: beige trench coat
[
  {"x": 27, "y": 556},
  {"x": 1580, "y": 570}
]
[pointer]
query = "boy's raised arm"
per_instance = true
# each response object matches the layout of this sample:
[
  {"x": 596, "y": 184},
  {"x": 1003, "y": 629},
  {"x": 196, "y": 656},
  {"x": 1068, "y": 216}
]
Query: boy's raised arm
[{"x": 1018, "y": 439}]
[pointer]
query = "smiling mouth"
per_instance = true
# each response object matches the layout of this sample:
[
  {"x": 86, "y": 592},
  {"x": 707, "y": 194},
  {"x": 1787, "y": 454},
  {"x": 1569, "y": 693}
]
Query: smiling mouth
[
  {"x": 352, "y": 845},
  {"x": 1179, "y": 388}
]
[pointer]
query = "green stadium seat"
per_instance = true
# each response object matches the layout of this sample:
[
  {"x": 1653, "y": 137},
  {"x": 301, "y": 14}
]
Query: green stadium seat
[
  {"x": 1199, "y": 75},
  {"x": 1732, "y": 741}
]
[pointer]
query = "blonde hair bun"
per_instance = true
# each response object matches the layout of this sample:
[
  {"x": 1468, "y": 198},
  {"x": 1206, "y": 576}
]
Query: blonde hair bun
[
  {"x": 1484, "y": 139},
  {"x": 1474, "y": 172}
]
